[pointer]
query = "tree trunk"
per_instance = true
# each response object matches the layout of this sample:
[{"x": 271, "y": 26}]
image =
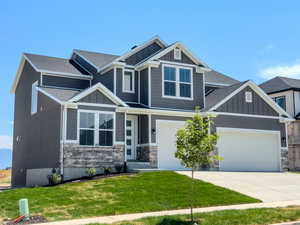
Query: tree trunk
[{"x": 192, "y": 195}]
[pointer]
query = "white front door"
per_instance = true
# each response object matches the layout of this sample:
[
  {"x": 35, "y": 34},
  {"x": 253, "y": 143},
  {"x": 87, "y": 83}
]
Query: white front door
[{"x": 131, "y": 137}]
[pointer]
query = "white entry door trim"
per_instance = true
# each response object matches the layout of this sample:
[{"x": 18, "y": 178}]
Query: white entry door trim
[
  {"x": 225, "y": 130},
  {"x": 131, "y": 136}
]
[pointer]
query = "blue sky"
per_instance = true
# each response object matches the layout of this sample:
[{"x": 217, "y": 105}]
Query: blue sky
[{"x": 254, "y": 40}]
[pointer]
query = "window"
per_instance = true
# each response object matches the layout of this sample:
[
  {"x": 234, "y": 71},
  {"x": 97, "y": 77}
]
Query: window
[
  {"x": 34, "y": 97},
  {"x": 177, "y": 54},
  {"x": 177, "y": 82},
  {"x": 96, "y": 128},
  {"x": 128, "y": 81},
  {"x": 248, "y": 96},
  {"x": 280, "y": 101}
]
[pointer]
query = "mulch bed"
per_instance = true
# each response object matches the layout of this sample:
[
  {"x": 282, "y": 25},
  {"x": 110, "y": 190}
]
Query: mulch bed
[{"x": 32, "y": 220}]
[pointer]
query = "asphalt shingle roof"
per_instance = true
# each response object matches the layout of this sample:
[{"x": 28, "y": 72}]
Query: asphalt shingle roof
[
  {"x": 219, "y": 78},
  {"x": 280, "y": 84},
  {"x": 98, "y": 59},
  {"x": 54, "y": 64},
  {"x": 61, "y": 94},
  {"x": 217, "y": 95}
]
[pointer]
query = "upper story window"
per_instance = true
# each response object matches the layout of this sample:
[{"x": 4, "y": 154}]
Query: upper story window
[
  {"x": 96, "y": 128},
  {"x": 177, "y": 54},
  {"x": 280, "y": 100},
  {"x": 177, "y": 82},
  {"x": 128, "y": 81},
  {"x": 34, "y": 97},
  {"x": 248, "y": 96}
]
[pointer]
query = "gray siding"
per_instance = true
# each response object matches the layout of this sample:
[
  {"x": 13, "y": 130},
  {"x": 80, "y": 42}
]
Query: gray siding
[
  {"x": 107, "y": 79},
  {"x": 170, "y": 57},
  {"x": 143, "y": 54},
  {"x": 64, "y": 82},
  {"x": 143, "y": 131},
  {"x": 156, "y": 94},
  {"x": 98, "y": 98},
  {"x": 126, "y": 97},
  {"x": 249, "y": 123},
  {"x": 237, "y": 104},
  {"x": 144, "y": 87},
  {"x": 120, "y": 131},
  {"x": 71, "y": 124},
  {"x": 39, "y": 134}
]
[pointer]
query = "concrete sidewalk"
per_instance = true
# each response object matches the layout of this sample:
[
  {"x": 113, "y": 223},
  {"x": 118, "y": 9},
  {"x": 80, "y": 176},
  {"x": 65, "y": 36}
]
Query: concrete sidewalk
[{"x": 119, "y": 218}]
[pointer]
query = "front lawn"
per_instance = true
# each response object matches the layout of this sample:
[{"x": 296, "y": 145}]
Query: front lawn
[
  {"x": 153, "y": 191},
  {"x": 226, "y": 217}
]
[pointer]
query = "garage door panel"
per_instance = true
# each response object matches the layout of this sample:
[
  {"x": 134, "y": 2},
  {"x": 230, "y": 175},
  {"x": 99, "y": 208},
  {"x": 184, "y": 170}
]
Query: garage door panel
[{"x": 248, "y": 150}]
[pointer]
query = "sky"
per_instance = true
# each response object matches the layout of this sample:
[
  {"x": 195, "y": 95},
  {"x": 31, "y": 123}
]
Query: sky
[{"x": 254, "y": 40}]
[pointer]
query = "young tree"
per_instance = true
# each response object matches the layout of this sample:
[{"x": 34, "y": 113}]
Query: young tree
[{"x": 195, "y": 145}]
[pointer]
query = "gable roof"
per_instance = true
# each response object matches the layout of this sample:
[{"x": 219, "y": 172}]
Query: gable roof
[
  {"x": 59, "y": 93},
  {"x": 278, "y": 84},
  {"x": 51, "y": 65},
  {"x": 103, "y": 90},
  {"x": 220, "y": 96},
  {"x": 96, "y": 59},
  {"x": 216, "y": 78}
]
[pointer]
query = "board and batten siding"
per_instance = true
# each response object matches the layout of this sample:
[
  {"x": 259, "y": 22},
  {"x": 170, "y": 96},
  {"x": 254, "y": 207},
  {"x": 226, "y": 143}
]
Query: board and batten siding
[
  {"x": 144, "y": 87},
  {"x": 290, "y": 96},
  {"x": 72, "y": 121},
  {"x": 238, "y": 104},
  {"x": 107, "y": 79},
  {"x": 170, "y": 57},
  {"x": 157, "y": 99},
  {"x": 97, "y": 97}
]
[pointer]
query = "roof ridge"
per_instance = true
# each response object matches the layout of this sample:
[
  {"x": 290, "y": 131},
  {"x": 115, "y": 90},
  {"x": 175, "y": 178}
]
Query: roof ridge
[
  {"x": 283, "y": 80},
  {"x": 26, "y": 53},
  {"x": 75, "y": 49}
]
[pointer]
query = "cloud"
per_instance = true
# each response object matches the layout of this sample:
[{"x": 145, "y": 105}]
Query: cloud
[
  {"x": 6, "y": 141},
  {"x": 291, "y": 70}
]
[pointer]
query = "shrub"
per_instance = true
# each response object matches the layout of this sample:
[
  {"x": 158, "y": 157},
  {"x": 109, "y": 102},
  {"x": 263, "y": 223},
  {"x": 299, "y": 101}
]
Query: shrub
[
  {"x": 106, "y": 170},
  {"x": 55, "y": 178},
  {"x": 91, "y": 172},
  {"x": 119, "y": 168}
]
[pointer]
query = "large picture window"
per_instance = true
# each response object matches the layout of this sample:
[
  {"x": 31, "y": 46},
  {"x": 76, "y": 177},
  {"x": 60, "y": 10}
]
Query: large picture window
[
  {"x": 177, "y": 82},
  {"x": 96, "y": 128}
]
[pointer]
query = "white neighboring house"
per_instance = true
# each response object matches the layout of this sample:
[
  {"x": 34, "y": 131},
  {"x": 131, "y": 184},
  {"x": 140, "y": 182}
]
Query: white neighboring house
[{"x": 286, "y": 93}]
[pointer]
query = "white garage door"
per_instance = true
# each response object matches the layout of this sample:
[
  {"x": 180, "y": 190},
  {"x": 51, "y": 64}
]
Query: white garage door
[
  {"x": 166, "y": 141},
  {"x": 249, "y": 150}
]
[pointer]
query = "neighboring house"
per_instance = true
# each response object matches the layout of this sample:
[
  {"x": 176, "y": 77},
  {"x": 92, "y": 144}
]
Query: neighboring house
[
  {"x": 100, "y": 110},
  {"x": 286, "y": 93}
]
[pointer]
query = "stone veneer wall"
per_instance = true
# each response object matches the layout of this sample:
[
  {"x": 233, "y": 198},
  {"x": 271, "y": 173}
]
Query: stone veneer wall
[
  {"x": 148, "y": 153},
  {"x": 284, "y": 159},
  {"x": 294, "y": 146},
  {"x": 76, "y": 156}
]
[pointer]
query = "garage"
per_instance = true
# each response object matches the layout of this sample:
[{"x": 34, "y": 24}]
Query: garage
[
  {"x": 248, "y": 149},
  {"x": 166, "y": 141}
]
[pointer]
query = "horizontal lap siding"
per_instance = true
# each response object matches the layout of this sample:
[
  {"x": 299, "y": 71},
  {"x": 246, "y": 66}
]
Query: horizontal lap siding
[
  {"x": 64, "y": 82},
  {"x": 237, "y": 104},
  {"x": 156, "y": 94},
  {"x": 249, "y": 123},
  {"x": 126, "y": 97},
  {"x": 144, "y": 87}
]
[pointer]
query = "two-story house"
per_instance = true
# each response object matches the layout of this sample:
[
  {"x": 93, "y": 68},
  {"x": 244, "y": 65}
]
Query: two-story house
[
  {"x": 100, "y": 110},
  {"x": 286, "y": 93}
]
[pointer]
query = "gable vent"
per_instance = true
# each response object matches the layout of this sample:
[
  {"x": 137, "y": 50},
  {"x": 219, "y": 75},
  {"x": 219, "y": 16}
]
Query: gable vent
[{"x": 177, "y": 54}]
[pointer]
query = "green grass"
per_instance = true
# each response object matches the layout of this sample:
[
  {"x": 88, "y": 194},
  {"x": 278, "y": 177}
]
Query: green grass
[
  {"x": 143, "y": 192},
  {"x": 226, "y": 217}
]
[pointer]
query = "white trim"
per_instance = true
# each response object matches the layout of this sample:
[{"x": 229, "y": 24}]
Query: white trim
[
  {"x": 286, "y": 136},
  {"x": 248, "y": 97},
  {"x": 177, "y": 82},
  {"x": 115, "y": 80},
  {"x": 96, "y": 128},
  {"x": 139, "y": 86},
  {"x": 245, "y": 115},
  {"x": 147, "y": 144},
  {"x": 177, "y": 54},
  {"x": 34, "y": 98},
  {"x": 132, "y": 81},
  {"x": 204, "y": 96},
  {"x": 62, "y": 88},
  {"x": 260, "y": 92},
  {"x": 125, "y": 144},
  {"x": 50, "y": 96},
  {"x": 216, "y": 84},
  {"x": 102, "y": 89},
  {"x": 65, "y": 119},
  {"x": 119, "y": 143},
  {"x": 149, "y": 87},
  {"x": 85, "y": 59},
  {"x": 134, "y": 136},
  {"x": 96, "y": 104},
  {"x": 150, "y": 128}
]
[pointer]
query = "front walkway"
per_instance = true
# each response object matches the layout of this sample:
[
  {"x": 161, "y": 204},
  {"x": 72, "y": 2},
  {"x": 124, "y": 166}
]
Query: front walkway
[
  {"x": 268, "y": 187},
  {"x": 119, "y": 218}
]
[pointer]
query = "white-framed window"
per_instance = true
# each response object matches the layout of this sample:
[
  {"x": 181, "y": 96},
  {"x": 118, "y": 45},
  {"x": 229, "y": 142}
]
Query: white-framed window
[
  {"x": 96, "y": 128},
  {"x": 177, "y": 54},
  {"x": 34, "y": 97},
  {"x": 248, "y": 96},
  {"x": 177, "y": 82},
  {"x": 128, "y": 81},
  {"x": 280, "y": 100}
]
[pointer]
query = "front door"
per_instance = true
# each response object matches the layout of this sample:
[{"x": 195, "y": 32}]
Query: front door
[{"x": 131, "y": 137}]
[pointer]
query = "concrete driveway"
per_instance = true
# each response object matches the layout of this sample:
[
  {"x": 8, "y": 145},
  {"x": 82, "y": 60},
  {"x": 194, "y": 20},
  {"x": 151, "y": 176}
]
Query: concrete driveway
[{"x": 268, "y": 187}]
